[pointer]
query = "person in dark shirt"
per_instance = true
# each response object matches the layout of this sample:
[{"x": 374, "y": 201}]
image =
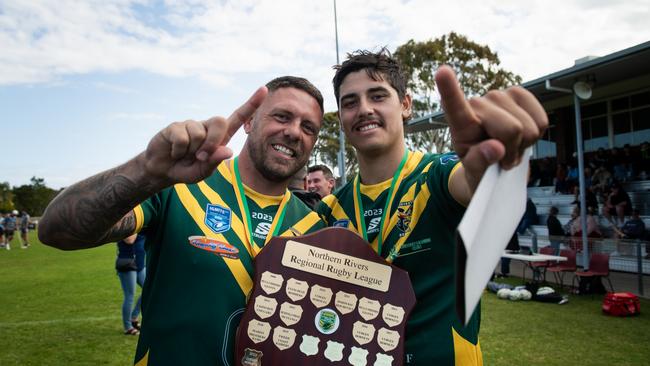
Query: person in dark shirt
[
  {"x": 555, "y": 230},
  {"x": 634, "y": 228},
  {"x": 298, "y": 186},
  {"x": 618, "y": 203}
]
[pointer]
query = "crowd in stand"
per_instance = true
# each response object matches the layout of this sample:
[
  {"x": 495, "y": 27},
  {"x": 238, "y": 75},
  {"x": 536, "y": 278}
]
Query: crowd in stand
[
  {"x": 604, "y": 172},
  {"x": 602, "y": 168}
]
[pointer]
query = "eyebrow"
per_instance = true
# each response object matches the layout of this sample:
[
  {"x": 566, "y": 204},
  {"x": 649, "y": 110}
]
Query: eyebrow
[{"x": 369, "y": 91}]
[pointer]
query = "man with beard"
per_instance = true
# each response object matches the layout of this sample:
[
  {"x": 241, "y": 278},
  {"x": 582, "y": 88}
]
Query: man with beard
[
  {"x": 407, "y": 204},
  {"x": 205, "y": 217}
]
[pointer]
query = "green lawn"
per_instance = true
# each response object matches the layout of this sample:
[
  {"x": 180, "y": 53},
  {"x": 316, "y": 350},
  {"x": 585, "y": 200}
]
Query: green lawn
[{"x": 63, "y": 308}]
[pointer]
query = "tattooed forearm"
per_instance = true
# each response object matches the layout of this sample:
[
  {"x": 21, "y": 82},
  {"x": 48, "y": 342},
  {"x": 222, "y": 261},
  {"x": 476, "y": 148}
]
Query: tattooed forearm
[{"x": 94, "y": 211}]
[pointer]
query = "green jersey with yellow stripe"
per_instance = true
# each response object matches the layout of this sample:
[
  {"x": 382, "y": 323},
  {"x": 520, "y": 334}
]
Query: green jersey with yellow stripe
[
  {"x": 200, "y": 264},
  {"x": 418, "y": 236}
]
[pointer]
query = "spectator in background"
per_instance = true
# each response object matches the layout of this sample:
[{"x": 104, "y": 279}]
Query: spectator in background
[
  {"x": 512, "y": 247},
  {"x": 530, "y": 217},
  {"x": 298, "y": 186},
  {"x": 628, "y": 160},
  {"x": 130, "y": 266},
  {"x": 643, "y": 166},
  {"x": 24, "y": 229},
  {"x": 590, "y": 198},
  {"x": 619, "y": 169},
  {"x": 575, "y": 228},
  {"x": 560, "y": 178},
  {"x": 555, "y": 230},
  {"x": 2, "y": 231},
  {"x": 572, "y": 177},
  {"x": 9, "y": 223},
  {"x": 320, "y": 180},
  {"x": 600, "y": 180},
  {"x": 618, "y": 203},
  {"x": 601, "y": 158},
  {"x": 634, "y": 228}
]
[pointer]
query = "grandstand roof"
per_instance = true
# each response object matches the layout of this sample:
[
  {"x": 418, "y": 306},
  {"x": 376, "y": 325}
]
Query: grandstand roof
[{"x": 600, "y": 71}]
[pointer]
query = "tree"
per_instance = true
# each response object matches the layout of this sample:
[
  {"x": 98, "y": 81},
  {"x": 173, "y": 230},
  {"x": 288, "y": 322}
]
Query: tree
[
  {"x": 6, "y": 197},
  {"x": 33, "y": 197},
  {"x": 477, "y": 69},
  {"x": 327, "y": 148}
]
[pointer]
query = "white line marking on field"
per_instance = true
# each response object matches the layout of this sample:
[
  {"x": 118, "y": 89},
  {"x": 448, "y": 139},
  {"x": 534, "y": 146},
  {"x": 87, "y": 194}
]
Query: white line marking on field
[{"x": 57, "y": 321}]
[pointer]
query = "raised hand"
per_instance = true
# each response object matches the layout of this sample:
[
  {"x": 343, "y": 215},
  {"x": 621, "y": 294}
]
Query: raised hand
[
  {"x": 190, "y": 151},
  {"x": 497, "y": 127}
]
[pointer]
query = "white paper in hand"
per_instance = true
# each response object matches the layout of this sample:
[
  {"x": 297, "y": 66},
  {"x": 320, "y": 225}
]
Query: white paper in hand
[{"x": 488, "y": 224}]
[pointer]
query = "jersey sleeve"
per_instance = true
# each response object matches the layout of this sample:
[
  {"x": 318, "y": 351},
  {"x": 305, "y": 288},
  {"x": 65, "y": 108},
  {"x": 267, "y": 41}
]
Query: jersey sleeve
[
  {"x": 443, "y": 167},
  {"x": 147, "y": 213}
]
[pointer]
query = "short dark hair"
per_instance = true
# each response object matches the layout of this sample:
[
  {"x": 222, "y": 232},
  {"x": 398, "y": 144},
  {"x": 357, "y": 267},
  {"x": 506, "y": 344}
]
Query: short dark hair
[
  {"x": 298, "y": 83},
  {"x": 553, "y": 210},
  {"x": 327, "y": 172},
  {"x": 379, "y": 66}
]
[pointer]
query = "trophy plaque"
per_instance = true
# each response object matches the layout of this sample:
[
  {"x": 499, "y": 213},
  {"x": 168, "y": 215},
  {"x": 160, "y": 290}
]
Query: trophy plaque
[{"x": 324, "y": 299}]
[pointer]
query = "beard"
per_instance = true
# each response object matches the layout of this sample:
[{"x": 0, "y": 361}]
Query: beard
[{"x": 272, "y": 169}]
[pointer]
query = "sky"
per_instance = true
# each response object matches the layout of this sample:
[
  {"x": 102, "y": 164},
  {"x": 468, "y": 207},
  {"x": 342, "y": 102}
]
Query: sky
[{"x": 84, "y": 85}]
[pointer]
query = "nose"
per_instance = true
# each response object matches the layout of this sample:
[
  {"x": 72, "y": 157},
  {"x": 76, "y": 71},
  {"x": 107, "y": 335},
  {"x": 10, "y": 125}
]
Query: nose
[
  {"x": 292, "y": 129},
  {"x": 364, "y": 107}
]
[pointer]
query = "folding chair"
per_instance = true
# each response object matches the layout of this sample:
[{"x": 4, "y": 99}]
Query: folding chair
[
  {"x": 560, "y": 268},
  {"x": 598, "y": 266},
  {"x": 539, "y": 268}
]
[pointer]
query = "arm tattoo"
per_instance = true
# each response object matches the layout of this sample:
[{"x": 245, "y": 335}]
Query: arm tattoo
[{"x": 95, "y": 211}]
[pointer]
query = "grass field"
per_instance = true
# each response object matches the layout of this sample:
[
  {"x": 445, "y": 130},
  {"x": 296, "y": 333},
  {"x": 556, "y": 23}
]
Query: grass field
[{"x": 63, "y": 308}]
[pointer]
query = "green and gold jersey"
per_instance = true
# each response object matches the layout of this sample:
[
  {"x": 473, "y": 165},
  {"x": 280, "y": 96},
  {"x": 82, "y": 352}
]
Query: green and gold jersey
[
  {"x": 200, "y": 265},
  {"x": 419, "y": 236}
]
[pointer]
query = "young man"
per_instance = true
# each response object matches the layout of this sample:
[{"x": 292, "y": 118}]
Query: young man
[
  {"x": 203, "y": 227},
  {"x": 9, "y": 223},
  {"x": 320, "y": 180},
  {"x": 24, "y": 229},
  {"x": 412, "y": 202}
]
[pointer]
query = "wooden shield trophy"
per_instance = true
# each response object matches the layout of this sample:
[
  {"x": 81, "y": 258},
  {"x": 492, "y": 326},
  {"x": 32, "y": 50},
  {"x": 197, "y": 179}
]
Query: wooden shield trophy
[{"x": 324, "y": 299}]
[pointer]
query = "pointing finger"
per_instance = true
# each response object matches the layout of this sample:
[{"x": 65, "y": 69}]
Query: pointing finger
[
  {"x": 246, "y": 111},
  {"x": 220, "y": 130},
  {"x": 457, "y": 109}
]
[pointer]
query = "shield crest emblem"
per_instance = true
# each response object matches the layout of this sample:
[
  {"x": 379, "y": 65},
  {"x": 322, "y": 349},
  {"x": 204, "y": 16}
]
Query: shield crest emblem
[
  {"x": 334, "y": 351},
  {"x": 251, "y": 357},
  {"x": 218, "y": 218},
  {"x": 383, "y": 360},
  {"x": 309, "y": 345}
]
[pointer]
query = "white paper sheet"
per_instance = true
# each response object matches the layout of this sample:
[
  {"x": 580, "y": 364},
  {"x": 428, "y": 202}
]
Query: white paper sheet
[{"x": 488, "y": 224}]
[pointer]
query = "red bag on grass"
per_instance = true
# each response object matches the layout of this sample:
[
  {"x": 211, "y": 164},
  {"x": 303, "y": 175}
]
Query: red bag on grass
[{"x": 621, "y": 304}]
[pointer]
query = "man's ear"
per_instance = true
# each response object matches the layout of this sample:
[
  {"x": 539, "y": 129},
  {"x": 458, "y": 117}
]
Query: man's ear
[
  {"x": 248, "y": 125},
  {"x": 407, "y": 103}
]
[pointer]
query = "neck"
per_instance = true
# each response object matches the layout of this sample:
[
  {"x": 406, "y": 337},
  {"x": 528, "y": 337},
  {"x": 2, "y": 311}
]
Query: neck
[
  {"x": 252, "y": 177},
  {"x": 376, "y": 168}
]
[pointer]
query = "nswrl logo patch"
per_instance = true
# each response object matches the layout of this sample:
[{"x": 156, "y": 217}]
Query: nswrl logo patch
[
  {"x": 218, "y": 218},
  {"x": 449, "y": 158},
  {"x": 341, "y": 223}
]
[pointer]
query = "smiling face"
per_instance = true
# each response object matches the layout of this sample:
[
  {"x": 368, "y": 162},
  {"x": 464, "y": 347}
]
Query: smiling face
[
  {"x": 283, "y": 132},
  {"x": 372, "y": 114},
  {"x": 319, "y": 183}
]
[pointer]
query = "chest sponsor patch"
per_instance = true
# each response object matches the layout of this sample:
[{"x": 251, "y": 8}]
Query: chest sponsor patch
[
  {"x": 218, "y": 218},
  {"x": 212, "y": 245}
]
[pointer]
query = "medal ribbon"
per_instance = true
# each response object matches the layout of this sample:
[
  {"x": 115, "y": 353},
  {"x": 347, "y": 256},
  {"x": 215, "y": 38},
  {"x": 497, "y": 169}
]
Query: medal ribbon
[
  {"x": 361, "y": 222},
  {"x": 243, "y": 208}
]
